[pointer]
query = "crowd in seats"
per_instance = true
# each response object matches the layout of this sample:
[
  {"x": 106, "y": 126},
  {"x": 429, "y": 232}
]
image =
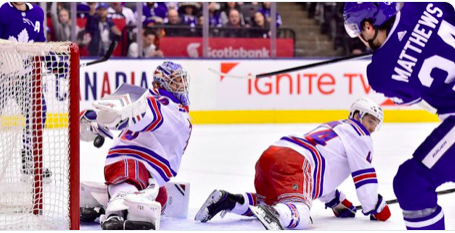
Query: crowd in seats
[
  {"x": 98, "y": 23},
  {"x": 329, "y": 15}
]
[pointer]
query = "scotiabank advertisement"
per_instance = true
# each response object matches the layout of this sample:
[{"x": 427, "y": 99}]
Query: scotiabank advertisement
[
  {"x": 225, "y": 47},
  {"x": 333, "y": 87}
]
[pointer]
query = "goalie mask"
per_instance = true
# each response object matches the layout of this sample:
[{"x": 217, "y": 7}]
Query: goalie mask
[
  {"x": 171, "y": 77},
  {"x": 364, "y": 106}
]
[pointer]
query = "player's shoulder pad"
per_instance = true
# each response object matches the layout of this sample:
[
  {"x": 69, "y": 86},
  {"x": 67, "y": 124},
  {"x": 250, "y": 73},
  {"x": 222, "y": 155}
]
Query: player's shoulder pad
[{"x": 357, "y": 127}]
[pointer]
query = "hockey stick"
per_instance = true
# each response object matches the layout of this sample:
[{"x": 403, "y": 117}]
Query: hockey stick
[
  {"x": 328, "y": 62},
  {"x": 106, "y": 56},
  {"x": 359, "y": 207}
]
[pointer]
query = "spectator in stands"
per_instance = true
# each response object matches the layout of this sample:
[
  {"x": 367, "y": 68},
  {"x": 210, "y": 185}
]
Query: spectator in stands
[
  {"x": 153, "y": 13},
  {"x": 172, "y": 5},
  {"x": 328, "y": 19},
  {"x": 101, "y": 29},
  {"x": 149, "y": 47},
  {"x": 234, "y": 23},
  {"x": 214, "y": 15},
  {"x": 265, "y": 10},
  {"x": 173, "y": 20},
  {"x": 118, "y": 11},
  {"x": 226, "y": 10},
  {"x": 260, "y": 27},
  {"x": 83, "y": 9},
  {"x": 61, "y": 23},
  {"x": 248, "y": 12},
  {"x": 188, "y": 11},
  {"x": 83, "y": 40}
]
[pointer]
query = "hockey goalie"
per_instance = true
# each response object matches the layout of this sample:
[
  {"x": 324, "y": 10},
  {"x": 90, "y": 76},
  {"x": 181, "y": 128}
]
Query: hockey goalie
[{"x": 155, "y": 131}]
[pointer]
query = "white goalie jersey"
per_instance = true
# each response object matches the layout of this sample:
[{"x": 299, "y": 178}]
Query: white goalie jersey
[
  {"x": 335, "y": 151},
  {"x": 157, "y": 138}
]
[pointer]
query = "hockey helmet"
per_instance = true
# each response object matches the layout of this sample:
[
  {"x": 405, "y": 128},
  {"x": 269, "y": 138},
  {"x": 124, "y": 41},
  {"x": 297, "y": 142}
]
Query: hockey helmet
[
  {"x": 173, "y": 78},
  {"x": 378, "y": 12},
  {"x": 364, "y": 106}
]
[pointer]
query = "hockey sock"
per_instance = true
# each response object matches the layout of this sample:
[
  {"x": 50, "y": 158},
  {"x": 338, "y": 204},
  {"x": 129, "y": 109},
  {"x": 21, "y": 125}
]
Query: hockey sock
[
  {"x": 241, "y": 206},
  {"x": 294, "y": 215},
  {"x": 427, "y": 219}
]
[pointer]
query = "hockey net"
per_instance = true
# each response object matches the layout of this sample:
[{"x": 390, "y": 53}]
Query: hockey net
[{"x": 39, "y": 135}]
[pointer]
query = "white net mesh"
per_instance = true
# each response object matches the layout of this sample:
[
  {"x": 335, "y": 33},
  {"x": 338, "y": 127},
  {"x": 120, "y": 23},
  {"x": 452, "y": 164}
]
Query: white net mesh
[{"x": 34, "y": 135}]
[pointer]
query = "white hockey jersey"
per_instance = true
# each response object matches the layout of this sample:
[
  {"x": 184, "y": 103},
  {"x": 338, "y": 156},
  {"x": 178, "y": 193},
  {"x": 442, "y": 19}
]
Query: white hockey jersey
[
  {"x": 158, "y": 138},
  {"x": 335, "y": 151}
]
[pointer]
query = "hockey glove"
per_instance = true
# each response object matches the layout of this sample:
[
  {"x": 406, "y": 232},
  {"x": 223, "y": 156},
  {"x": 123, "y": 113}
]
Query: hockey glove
[
  {"x": 116, "y": 112},
  {"x": 89, "y": 129},
  {"x": 381, "y": 212},
  {"x": 342, "y": 208}
]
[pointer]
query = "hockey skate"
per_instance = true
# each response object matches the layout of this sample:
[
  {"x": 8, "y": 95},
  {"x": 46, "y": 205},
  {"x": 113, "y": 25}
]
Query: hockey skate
[
  {"x": 268, "y": 216},
  {"x": 88, "y": 214},
  {"x": 115, "y": 222},
  {"x": 218, "y": 201},
  {"x": 28, "y": 166}
]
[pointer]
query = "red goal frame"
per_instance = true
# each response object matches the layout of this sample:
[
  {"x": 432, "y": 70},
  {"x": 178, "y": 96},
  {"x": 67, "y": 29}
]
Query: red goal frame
[{"x": 73, "y": 131}]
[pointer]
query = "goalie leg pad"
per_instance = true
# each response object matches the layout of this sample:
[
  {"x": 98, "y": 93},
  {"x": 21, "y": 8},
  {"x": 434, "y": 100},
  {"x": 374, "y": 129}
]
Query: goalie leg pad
[
  {"x": 93, "y": 200},
  {"x": 142, "y": 209},
  {"x": 93, "y": 194},
  {"x": 178, "y": 198},
  {"x": 117, "y": 205}
]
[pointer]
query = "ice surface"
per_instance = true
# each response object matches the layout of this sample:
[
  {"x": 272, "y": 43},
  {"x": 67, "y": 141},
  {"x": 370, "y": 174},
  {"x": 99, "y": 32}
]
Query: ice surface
[{"x": 223, "y": 157}]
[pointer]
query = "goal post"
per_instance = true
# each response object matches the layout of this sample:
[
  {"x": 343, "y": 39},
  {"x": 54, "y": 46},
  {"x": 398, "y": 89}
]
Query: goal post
[{"x": 39, "y": 135}]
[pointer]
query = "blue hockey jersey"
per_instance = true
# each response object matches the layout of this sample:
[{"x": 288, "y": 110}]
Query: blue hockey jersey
[
  {"x": 417, "y": 61},
  {"x": 21, "y": 26}
]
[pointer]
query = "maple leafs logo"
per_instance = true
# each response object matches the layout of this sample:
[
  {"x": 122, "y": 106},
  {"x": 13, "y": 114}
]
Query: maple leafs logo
[{"x": 22, "y": 37}]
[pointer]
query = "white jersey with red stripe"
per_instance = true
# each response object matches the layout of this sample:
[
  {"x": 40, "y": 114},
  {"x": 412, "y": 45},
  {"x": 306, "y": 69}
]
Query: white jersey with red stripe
[
  {"x": 157, "y": 138},
  {"x": 336, "y": 150}
]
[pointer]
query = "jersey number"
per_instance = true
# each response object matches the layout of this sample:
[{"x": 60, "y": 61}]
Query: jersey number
[
  {"x": 447, "y": 33},
  {"x": 322, "y": 136}
]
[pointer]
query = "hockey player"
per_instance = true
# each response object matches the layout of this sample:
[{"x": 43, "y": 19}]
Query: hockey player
[
  {"x": 296, "y": 170},
  {"x": 23, "y": 22},
  {"x": 414, "y": 62},
  {"x": 156, "y": 129}
]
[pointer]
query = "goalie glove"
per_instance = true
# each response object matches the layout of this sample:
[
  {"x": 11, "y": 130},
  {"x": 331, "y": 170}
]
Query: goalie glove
[
  {"x": 381, "y": 212},
  {"x": 116, "y": 111},
  {"x": 89, "y": 129},
  {"x": 342, "y": 208}
]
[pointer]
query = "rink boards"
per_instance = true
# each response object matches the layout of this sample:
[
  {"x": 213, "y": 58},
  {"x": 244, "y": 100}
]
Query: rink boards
[{"x": 313, "y": 95}]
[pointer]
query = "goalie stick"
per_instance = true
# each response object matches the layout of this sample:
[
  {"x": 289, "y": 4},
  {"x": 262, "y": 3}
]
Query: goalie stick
[
  {"x": 393, "y": 201},
  {"x": 106, "y": 56},
  {"x": 312, "y": 65}
]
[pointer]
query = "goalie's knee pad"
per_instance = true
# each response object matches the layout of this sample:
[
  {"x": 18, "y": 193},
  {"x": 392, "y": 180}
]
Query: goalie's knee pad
[
  {"x": 140, "y": 208},
  {"x": 294, "y": 215}
]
